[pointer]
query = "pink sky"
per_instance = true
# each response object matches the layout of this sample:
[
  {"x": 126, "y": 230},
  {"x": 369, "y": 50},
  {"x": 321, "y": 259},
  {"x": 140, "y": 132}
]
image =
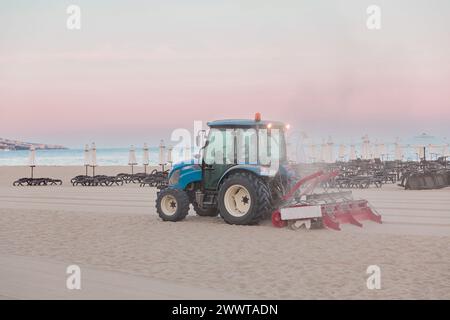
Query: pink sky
[{"x": 162, "y": 66}]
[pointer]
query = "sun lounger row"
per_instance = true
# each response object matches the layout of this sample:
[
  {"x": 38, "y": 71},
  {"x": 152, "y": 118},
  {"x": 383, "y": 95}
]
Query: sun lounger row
[
  {"x": 98, "y": 180},
  {"x": 158, "y": 179},
  {"x": 37, "y": 182},
  {"x": 154, "y": 179}
]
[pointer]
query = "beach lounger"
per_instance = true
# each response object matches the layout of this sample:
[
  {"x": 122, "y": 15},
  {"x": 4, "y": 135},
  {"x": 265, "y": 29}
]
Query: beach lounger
[{"x": 37, "y": 182}]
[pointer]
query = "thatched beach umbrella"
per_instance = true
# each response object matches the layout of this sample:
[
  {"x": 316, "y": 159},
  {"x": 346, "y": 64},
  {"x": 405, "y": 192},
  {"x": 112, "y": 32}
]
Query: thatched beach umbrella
[
  {"x": 376, "y": 151},
  {"x": 93, "y": 158},
  {"x": 398, "y": 152},
  {"x": 342, "y": 151},
  {"x": 323, "y": 151},
  {"x": 132, "y": 159},
  {"x": 32, "y": 160},
  {"x": 145, "y": 158},
  {"x": 329, "y": 151},
  {"x": 162, "y": 151},
  {"x": 169, "y": 155},
  {"x": 312, "y": 152},
  {"x": 365, "y": 148},
  {"x": 352, "y": 152},
  {"x": 87, "y": 157},
  {"x": 381, "y": 150}
]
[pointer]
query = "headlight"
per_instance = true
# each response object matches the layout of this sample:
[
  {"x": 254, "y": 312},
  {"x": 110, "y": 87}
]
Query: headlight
[{"x": 174, "y": 178}]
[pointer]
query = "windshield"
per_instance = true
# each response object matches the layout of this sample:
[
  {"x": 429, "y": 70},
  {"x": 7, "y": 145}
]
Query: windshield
[{"x": 245, "y": 146}]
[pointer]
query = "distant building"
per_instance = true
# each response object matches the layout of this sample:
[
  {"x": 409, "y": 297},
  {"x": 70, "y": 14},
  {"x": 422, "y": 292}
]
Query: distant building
[{"x": 6, "y": 144}]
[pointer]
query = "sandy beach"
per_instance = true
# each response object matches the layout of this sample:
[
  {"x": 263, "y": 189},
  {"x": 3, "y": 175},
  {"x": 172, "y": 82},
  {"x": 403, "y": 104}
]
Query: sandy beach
[{"x": 125, "y": 251}]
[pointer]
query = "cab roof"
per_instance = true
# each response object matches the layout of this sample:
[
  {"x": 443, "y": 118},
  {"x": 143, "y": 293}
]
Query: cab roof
[{"x": 247, "y": 123}]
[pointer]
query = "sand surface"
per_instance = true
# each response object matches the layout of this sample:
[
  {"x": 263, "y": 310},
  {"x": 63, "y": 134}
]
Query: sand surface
[{"x": 126, "y": 251}]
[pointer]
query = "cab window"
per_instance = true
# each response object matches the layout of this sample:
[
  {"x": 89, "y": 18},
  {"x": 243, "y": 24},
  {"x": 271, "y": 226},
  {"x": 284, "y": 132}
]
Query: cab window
[{"x": 220, "y": 149}]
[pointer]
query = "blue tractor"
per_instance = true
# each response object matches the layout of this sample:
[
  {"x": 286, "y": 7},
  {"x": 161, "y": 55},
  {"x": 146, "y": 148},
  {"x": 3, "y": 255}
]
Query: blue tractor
[{"x": 240, "y": 174}]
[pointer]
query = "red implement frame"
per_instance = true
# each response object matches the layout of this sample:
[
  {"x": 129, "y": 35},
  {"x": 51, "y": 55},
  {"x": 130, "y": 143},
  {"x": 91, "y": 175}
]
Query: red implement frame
[{"x": 333, "y": 214}]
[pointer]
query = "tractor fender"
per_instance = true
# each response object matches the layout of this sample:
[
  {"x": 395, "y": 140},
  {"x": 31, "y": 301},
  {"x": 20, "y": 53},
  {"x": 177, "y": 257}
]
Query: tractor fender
[
  {"x": 254, "y": 169},
  {"x": 189, "y": 177}
]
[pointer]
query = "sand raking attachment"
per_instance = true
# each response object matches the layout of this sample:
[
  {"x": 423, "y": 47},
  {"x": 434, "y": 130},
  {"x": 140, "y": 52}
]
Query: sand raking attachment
[{"x": 302, "y": 207}]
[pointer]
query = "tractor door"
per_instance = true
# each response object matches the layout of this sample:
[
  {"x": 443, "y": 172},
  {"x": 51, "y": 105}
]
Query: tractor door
[{"x": 220, "y": 154}]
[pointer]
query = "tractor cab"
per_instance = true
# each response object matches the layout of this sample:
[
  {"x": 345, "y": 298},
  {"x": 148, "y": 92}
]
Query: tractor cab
[{"x": 253, "y": 145}]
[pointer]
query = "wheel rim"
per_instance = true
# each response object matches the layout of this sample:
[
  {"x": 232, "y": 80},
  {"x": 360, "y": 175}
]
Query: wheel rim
[
  {"x": 237, "y": 200},
  {"x": 169, "y": 205}
]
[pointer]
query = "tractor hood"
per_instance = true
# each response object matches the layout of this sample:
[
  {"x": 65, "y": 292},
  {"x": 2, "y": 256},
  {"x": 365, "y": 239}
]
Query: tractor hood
[
  {"x": 184, "y": 173},
  {"x": 184, "y": 163}
]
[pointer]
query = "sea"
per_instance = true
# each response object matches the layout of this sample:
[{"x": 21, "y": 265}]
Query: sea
[{"x": 75, "y": 157}]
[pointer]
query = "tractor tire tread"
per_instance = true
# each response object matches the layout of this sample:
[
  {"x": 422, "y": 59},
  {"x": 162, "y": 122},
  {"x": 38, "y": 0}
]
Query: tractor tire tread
[
  {"x": 263, "y": 196},
  {"x": 182, "y": 203}
]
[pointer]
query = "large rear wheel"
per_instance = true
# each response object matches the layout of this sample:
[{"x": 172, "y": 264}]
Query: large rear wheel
[
  {"x": 244, "y": 199},
  {"x": 172, "y": 204}
]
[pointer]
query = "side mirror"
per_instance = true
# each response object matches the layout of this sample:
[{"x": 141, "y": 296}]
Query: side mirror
[{"x": 199, "y": 138}]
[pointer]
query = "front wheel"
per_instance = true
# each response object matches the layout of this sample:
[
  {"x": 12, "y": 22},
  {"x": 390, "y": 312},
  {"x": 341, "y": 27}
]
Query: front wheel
[
  {"x": 172, "y": 204},
  {"x": 244, "y": 199}
]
